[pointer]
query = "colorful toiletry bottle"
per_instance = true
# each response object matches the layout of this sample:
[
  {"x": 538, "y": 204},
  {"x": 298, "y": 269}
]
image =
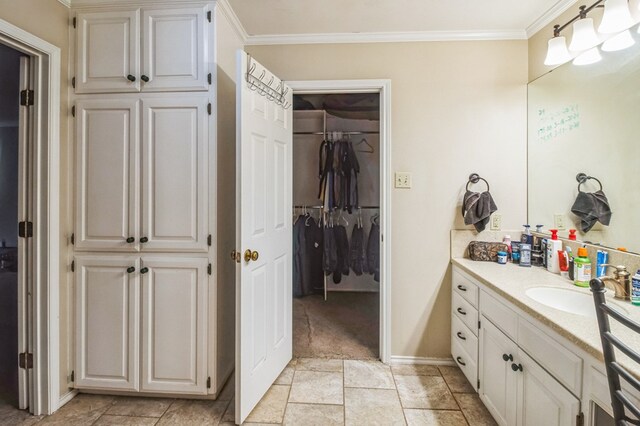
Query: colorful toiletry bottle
[
  {"x": 602, "y": 258},
  {"x": 563, "y": 260},
  {"x": 571, "y": 270},
  {"x": 554, "y": 245},
  {"x": 635, "y": 289},
  {"x": 527, "y": 237},
  {"x": 572, "y": 234},
  {"x": 525, "y": 254},
  {"x": 507, "y": 241},
  {"x": 582, "y": 268}
]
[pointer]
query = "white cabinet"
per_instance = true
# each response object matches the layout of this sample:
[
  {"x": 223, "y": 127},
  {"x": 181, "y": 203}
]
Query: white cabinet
[
  {"x": 148, "y": 49},
  {"x": 170, "y": 212},
  {"x": 107, "y": 322},
  {"x": 464, "y": 326}
]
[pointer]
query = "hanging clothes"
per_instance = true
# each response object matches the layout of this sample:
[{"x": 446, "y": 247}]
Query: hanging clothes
[
  {"x": 373, "y": 251},
  {"x": 347, "y": 171},
  {"x": 330, "y": 250},
  {"x": 299, "y": 249},
  {"x": 358, "y": 251},
  {"x": 326, "y": 174},
  {"x": 342, "y": 253},
  {"x": 313, "y": 256}
]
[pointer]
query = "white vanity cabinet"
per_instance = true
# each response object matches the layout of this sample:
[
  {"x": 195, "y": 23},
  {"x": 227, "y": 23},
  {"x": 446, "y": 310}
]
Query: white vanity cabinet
[
  {"x": 464, "y": 326},
  {"x": 142, "y": 49}
]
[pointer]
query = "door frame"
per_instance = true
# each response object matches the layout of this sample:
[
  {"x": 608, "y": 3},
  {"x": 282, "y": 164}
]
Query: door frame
[
  {"x": 45, "y": 270},
  {"x": 383, "y": 87}
]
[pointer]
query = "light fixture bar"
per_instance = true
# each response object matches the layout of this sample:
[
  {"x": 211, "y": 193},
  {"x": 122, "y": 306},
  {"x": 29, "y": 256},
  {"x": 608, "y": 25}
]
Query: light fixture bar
[{"x": 584, "y": 10}]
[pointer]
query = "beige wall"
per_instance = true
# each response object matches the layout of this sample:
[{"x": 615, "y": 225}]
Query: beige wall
[
  {"x": 49, "y": 20},
  {"x": 457, "y": 108}
]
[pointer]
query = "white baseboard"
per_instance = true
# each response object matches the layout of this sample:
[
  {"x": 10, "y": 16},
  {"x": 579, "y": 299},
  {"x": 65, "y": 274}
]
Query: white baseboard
[
  {"x": 66, "y": 398},
  {"x": 418, "y": 360}
]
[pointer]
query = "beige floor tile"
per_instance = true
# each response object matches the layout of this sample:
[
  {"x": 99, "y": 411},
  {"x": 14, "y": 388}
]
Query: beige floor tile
[
  {"x": 286, "y": 377},
  {"x": 319, "y": 364},
  {"x": 434, "y": 418},
  {"x": 474, "y": 410},
  {"x": 372, "y": 407},
  {"x": 367, "y": 374},
  {"x": 271, "y": 407},
  {"x": 316, "y": 387},
  {"x": 109, "y": 420},
  {"x": 81, "y": 410},
  {"x": 425, "y": 392},
  {"x": 456, "y": 380},
  {"x": 314, "y": 415},
  {"x": 141, "y": 407},
  {"x": 9, "y": 415},
  {"x": 186, "y": 412},
  {"x": 230, "y": 413},
  {"x": 415, "y": 370}
]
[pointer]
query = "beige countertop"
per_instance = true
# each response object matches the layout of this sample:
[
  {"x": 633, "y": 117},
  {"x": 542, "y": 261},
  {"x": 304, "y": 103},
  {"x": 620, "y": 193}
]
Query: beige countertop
[{"x": 512, "y": 281}]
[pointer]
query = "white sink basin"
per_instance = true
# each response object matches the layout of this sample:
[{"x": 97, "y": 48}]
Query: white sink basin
[{"x": 567, "y": 300}]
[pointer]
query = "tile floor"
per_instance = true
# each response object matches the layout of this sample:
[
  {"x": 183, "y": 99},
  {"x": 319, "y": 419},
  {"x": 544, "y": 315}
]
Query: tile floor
[{"x": 309, "y": 392}]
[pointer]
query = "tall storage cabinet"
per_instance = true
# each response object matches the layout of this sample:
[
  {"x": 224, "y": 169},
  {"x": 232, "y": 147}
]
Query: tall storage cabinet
[{"x": 144, "y": 144}]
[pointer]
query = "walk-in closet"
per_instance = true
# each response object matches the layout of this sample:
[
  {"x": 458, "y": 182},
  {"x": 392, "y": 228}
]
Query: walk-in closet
[{"x": 336, "y": 231}]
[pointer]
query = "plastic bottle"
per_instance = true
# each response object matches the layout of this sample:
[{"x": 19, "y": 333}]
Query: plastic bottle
[
  {"x": 507, "y": 240},
  {"x": 527, "y": 237},
  {"x": 525, "y": 254},
  {"x": 582, "y": 268},
  {"x": 554, "y": 245},
  {"x": 571, "y": 271},
  {"x": 572, "y": 234},
  {"x": 635, "y": 289}
]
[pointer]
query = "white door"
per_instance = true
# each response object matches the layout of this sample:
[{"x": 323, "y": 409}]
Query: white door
[
  {"x": 107, "y": 312},
  {"x": 541, "y": 399},
  {"x": 108, "y": 51},
  {"x": 174, "y": 324},
  {"x": 174, "y": 168},
  {"x": 107, "y": 174},
  {"x": 498, "y": 381},
  {"x": 264, "y": 304},
  {"x": 174, "y": 50}
]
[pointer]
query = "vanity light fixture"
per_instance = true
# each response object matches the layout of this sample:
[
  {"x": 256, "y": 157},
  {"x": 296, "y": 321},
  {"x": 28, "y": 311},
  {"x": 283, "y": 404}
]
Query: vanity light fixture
[
  {"x": 584, "y": 35},
  {"x": 618, "y": 42},
  {"x": 589, "y": 57},
  {"x": 557, "y": 52},
  {"x": 616, "y": 18}
]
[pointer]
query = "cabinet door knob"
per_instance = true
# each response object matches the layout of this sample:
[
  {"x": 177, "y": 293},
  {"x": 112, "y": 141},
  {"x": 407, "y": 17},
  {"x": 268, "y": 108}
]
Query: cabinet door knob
[
  {"x": 144, "y": 270},
  {"x": 460, "y": 361},
  {"x": 516, "y": 367},
  {"x": 461, "y": 311},
  {"x": 144, "y": 240},
  {"x": 144, "y": 78},
  {"x": 460, "y": 336},
  {"x": 131, "y": 269},
  {"x": 462, "y": 288},
  {"x": 507, "y": 357},
  {"x": 131, "y": 240},
  {"x": 131, "y": 77}
]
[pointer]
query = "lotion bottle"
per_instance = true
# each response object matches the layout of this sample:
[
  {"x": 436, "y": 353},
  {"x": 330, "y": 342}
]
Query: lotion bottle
[{"x": 554, "y": 245}]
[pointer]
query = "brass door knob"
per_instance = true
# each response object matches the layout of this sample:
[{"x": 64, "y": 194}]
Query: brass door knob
[
  {"x": 235, "y": 256},
  {"x": 250, "y": 255}
]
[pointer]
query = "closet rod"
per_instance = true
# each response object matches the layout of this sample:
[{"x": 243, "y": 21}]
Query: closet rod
[
  {"x": 322, "y": 207},
  {"x": 343, "y": 133}
]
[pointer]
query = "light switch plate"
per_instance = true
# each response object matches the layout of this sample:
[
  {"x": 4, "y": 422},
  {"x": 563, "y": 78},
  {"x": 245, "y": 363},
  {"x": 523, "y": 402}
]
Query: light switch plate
[
  {"x": 496, "y": 222},
  {"x": 403, "y": 180},
  {"x": 559, "y": 221}
]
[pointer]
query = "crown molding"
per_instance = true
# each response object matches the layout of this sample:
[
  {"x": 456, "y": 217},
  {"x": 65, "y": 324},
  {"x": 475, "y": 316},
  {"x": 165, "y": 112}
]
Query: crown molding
[
  {"x": 549, "y": 16},
  {"x": 385, "y": 37},
  {"x": 233, "y": 19},
  {"x": 65, "y": 2}
]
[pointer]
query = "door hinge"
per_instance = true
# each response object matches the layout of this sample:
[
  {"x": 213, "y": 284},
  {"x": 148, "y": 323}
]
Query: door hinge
[
  {"x": 73, "y": 239},
  {"x": 25, "y": 229},
  {"x": 73, "y": 82},
  {"x": 26, "y": 97},
  {"x": 209, "y": 108},
  {"x": 209, "y": 240},
  {"x": 73, "y": 376},
  {"x": 580, "y": 419},
  {"x": 208, "y": 382},
  {"x": 25, "y": 360},
  {"x": 73, "y": 266},
  {"x": 209, "y": 16},
  {"x": 479, "y": 325},
  {"x": 209, "y": 269},
  {"x": 74, "y": 22},
  {"x": 73, "y": 111},
  {"x": 209, "y": 78}
]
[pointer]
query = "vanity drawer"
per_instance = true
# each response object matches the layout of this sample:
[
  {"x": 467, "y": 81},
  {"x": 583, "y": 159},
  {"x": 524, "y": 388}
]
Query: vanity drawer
[
  {"x": 468, "y": 366},
  {"x": 465, "y": 288},
  {"x": 465, "y": 312},
  {"x": 564, "y": 365},
  {"x": 461, "y": 335},
  {"x": 501, "y": 316}
]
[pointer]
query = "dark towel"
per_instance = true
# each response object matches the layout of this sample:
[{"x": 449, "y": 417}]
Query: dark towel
[
  {"x": 342, "y": 249},
  {"x": 373, "y": 251},
  {"x": 591, "y": 207},
  {"x": 477, "y": 208},
  {"x": 358, "y": 251},
  {"x": 312, "y": 261}
]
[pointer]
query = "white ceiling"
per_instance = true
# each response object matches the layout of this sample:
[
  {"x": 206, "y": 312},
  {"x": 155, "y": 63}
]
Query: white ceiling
[{"x": 264, "y": 19}]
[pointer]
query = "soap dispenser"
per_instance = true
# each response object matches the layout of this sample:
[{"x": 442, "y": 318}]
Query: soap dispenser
[
  {"x": 554, "y": 246},
  {"x": 527, "y": 237}
]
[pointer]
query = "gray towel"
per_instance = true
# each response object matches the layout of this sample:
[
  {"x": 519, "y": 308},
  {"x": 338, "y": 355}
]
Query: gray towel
[
  {"x": 477, "y": 208},
  {"x": 591, "y": 207}
]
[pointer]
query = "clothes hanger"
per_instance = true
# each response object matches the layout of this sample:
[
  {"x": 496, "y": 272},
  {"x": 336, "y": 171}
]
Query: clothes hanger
[{"x": 371, "y": 150}]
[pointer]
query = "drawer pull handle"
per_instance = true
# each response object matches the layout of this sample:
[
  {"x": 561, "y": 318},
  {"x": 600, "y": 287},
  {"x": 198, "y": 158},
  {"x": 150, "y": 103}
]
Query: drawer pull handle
[
  {"x": 460, "y": 361},
  {"x": 144, "y": 240},
  {"x": 144, "y": 78},
  {"x": 131, "y": 269},
  {"x": 131, "y": 240},
  {"x": 462, "y": 288},
  {"x": 461, "y": 311},
  {"x": 460, "y": 336},
  {"x": 516, "y": 367},
  {"x": 144, "y": 270},
  {"x": 507, "y": 357},
  {"x": 131, "y": 77}
]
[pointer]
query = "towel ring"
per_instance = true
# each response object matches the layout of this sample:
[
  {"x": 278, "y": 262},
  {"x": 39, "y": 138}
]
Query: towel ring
[
  {"x": 583, "y": 178},
  {"x": 475, "y": 178}
]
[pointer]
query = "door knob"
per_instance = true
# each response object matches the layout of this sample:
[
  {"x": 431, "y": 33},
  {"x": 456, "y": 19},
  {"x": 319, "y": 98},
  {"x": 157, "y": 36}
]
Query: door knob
[
  {"x": 251, "y": 255},
  {"x": 516, "y": 367},
  {"x": 235, "y": 256},
  {"x": 507, "y": 357},
  {"x": 131, "y": 77},
  {"x": 130, "y": 240},
  {"x": 144, "y": 78},
  {"x": 144, "y": 240}
]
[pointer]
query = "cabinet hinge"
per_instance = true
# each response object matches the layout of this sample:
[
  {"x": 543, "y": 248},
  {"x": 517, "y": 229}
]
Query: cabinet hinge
[
  {"x": 25, "y": 360},
  {"x": 73, "y": 266},
  {"x": 209, "y": 269},
  {"x": 73, "y": 239},
  {"x": 73, "y": 111},
  {"x": 209, "y": 108},
  {"x": 209, "y": 16},
  {"x": 208, "y": 382},
  {"x": 26, "y": 97},
  {"x": 209, "y": 78},
  {"x": 479, "y": 325},
  {"x": 478, "y": 384},
  {"x": 74, "y": 22},
  {"x": 209, "y": 240},
  {"x": 73, "y": 82},
  {"x": 25, "y": 229},
  {"x": 580, "y": 419},
  {"x": 73, "y": 376}
]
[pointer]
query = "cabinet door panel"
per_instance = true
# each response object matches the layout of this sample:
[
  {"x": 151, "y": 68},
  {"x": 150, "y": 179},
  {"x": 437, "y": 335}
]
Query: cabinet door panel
[
  {"x": 108, "y": 50},
  {"x": 107, "y": 322},
  {"x": 542, "y": 400},
  {"x": 497, "y": 380},
  {"x": 107, "y": 175},
  {"x": 173, "y": 49},
  {"x": 175, "y": 173},
  {"x": 174, "y": 325}
]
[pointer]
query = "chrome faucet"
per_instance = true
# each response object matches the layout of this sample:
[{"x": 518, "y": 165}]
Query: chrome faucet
[{"x": 620, "y": 281}]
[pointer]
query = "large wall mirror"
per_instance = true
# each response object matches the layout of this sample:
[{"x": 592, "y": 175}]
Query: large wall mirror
[{"x": 586, "y": 119}]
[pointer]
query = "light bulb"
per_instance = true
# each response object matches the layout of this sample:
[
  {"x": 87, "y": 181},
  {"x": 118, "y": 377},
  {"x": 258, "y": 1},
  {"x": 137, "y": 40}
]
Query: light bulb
[
  {"x": 584, "y": 36},
  {"x": 618, "y": 42},
  {"x": 589, "y": 57},
  {"x": 616, "y": 17},
  {"x": 634, "y": 8},
  {"x": 557, "y": 52}
]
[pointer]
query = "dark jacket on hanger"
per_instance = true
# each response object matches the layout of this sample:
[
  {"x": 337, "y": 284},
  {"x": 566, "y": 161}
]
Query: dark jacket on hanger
[
  {"x": 373, "y": 251},
  {"x": 358, "y": 251},
  {"x": 342, "y": 249},
  {"x": 330, "y": 251},
  {"x": 312, "y": 262},
  {"x": 299, "y": 248}
]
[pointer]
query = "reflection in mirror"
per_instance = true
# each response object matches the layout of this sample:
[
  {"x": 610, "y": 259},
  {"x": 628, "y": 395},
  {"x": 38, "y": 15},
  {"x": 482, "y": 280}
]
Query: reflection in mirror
[{"x": 584, "y": 119}]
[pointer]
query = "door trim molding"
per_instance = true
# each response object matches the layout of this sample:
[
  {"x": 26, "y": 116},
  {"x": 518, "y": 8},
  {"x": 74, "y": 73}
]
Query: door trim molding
[
  {"x": 382, "y": 86},
  {"x": 45, "y": 339}
]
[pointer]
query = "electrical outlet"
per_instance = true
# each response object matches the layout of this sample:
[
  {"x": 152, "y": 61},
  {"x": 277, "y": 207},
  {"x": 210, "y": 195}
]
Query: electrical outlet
[
  {"x": 403, "y": 180},
  {"x": 558, "y": 220},
  {"x": 496, "y": 222}
]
